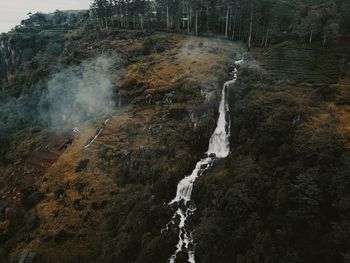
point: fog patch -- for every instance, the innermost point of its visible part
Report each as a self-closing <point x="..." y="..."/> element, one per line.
<point x="78" y="93"/>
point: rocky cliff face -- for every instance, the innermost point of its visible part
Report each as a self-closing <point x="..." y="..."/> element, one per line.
<point x="9" y="60"/>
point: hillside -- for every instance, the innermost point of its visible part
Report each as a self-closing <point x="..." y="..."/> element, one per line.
<point x="123" y="143"/>
<point x="282" y="194"/>
<point x="169" y="96"/>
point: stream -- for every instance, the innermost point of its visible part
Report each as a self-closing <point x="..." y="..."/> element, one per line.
<point x="218" y="148"/>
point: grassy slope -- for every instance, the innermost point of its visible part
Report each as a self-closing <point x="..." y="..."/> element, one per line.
<point x="113" y="210"/>
<point x="281" y="196"/>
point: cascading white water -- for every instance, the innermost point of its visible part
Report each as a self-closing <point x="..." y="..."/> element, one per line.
<point x="218" y="148"/>
<point x="97" y="134"/>
<point x="219" y="141"/>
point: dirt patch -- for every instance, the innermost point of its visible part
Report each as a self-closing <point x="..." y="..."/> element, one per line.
<point x="33" y="167"/>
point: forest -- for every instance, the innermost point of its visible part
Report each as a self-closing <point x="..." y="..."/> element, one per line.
<point x="106" y="112"/>
<point x="254" y="22"/>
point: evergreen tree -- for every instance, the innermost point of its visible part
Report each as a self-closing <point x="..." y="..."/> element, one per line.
<point x="255" y="22"/>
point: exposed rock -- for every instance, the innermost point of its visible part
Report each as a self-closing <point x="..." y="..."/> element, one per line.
<point x="27" y="257"/>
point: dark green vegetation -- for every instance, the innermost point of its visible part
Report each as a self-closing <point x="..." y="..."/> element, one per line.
<point x="255" y="22"/>
<point x="28" y="55"/>
<point x="281" y="196"/>
<point x="283" y="193"/>
<point x="31" y="49"/>
<point x="110" y="208"/>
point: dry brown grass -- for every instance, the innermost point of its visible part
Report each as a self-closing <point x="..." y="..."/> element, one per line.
<point x="156" y="73"/>
<point x="56" y="215"/>
<point x="343" y="111"/>
<point x="336" y="116"/>
<point x="202" y="60"/>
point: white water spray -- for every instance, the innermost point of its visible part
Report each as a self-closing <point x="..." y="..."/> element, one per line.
<point x="218" y="148"/>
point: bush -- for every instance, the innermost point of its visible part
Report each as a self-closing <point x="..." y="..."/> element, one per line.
<point x="148" y="46"/>
<point x="54" y="48"/>
<point x="160" y="48"/>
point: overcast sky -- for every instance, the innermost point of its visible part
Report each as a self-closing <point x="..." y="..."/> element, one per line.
<point x="13" y="11"/>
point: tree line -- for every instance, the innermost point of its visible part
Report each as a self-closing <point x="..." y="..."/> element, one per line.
<point x="256" y="22"/>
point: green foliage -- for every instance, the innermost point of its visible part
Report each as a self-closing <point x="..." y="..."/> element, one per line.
<point x="54" y="48"/>
<point x="147" y="46"/>
<point x="272" y="21"/>
<point x="282" y="195"/>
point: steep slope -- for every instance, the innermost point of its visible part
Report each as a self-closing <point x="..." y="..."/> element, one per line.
<point x="282" y="195"/>
<point x="105" y="202"/>
<point x="98" y="189"/>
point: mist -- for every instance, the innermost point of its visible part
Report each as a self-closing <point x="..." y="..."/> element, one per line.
<point x="78" y="93"/>
<point x="68" y="98"/>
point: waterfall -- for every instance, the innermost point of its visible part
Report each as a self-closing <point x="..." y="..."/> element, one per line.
<point x="218" y="148"/>
<point x="98" y="133"/>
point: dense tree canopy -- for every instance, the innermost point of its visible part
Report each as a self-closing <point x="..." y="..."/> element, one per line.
<point x="254" y="22"/>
